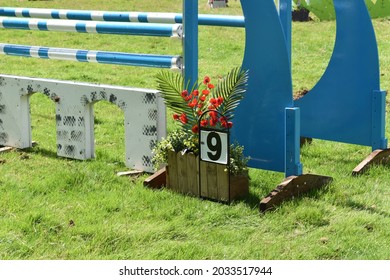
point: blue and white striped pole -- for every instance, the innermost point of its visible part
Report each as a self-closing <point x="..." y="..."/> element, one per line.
<point x="145" y="17"/>
<point x="119" y="28"/>
<point x="128" y="59"/>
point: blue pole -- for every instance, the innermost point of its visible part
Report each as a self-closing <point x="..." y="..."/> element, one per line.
<point x="293" y="165"/>
<point x="190" y="42"/>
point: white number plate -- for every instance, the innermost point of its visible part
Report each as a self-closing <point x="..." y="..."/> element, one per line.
<point x="214" y="146"/>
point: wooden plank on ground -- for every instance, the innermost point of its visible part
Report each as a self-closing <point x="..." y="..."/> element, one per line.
<point x="129" y="173"/>
<point x="293" y="186"/>
<point x="157" y="180"/>
<point x="375" y="158"/>
<point x="6" y="149"/>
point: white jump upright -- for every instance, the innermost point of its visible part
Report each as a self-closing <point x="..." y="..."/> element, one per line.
<point x="144" y="116"/>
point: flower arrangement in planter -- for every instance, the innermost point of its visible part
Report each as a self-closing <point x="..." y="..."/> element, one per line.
<point x="209" y="106"/>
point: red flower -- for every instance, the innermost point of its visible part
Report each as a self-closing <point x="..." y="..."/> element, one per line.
<point x="206" y="80"/>
<point x="193" y="103"/>
<point x="195" y="92"/>
<point x="202" y="98"/>
<point x="213" y="122"/>
<point x="219" y="100"/>
<point x="214" y="115"/>
<point x="214" y="101"/>
<point x="226" y="124"/>
<point x="223" y="119"/>
<point x="204" y="122"/>
<point x="205" y="91"/>
<point x="199" y="112"/>
<point x="200" y="105"/>
<point x="195" y="129"/>
<point x="176" y="117"/>
<point x="183" y="118"/>
<point x="184" y="93"/>
<point x="210" y="86"/>
<point x="188" y="97"/>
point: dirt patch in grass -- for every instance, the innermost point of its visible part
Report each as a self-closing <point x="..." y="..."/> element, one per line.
<point x="300" y="93"/>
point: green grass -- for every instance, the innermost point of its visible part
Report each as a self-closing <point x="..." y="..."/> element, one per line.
<point x="56" y="208"/>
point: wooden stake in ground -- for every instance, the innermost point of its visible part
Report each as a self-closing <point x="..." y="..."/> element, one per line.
<point x="292" y="187"/>
<point x="375" y="158"/>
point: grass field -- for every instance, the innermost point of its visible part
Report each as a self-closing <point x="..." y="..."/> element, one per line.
<point x="55" y="208"/>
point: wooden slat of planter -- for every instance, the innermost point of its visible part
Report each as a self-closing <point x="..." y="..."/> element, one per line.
<point x="193" y="175"/>
<point x="212" y="181"/>
<point x="223" y="183"/>
<point x="182" y="173"/>
<point x="239" y="187"/>
<point x="203" y="179"/>
<point x="172" y="171"/>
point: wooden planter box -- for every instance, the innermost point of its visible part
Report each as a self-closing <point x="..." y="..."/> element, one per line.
<point x="183" y="177"/>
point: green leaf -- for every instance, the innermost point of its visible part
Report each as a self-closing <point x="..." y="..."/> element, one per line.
<point x="170" y="85"/>
<point x="232" y="88"/>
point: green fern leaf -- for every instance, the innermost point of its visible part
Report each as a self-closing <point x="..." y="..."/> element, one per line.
<point x="170" y="85"/>
<point x="232" y="88"/>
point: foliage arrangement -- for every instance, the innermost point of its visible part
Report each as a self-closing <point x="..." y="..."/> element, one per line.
<point x="207" y="105"/>
<point x="324" y="9"/>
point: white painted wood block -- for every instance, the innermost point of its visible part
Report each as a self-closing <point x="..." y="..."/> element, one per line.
<point x="144" y="116"/>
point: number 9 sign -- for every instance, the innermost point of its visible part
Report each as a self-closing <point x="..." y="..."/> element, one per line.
<point x="214" y="146"/>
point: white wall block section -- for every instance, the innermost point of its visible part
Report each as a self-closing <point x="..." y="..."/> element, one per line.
<point x="144" y="116"/>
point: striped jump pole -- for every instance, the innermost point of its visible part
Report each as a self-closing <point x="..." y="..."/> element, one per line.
<point x="144" y="17"/>
<point x="118" y="58"/>
<point x="118" y="28"/>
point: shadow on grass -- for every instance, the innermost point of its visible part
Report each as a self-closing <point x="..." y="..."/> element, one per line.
<point x="362" y="207"/>
<point x="41" y="151"/>
<point x="252" y="200"/>
<point x="333" y="153"/>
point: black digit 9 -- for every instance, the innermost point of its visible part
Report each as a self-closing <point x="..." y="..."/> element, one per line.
<point x="214" y="144"/>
